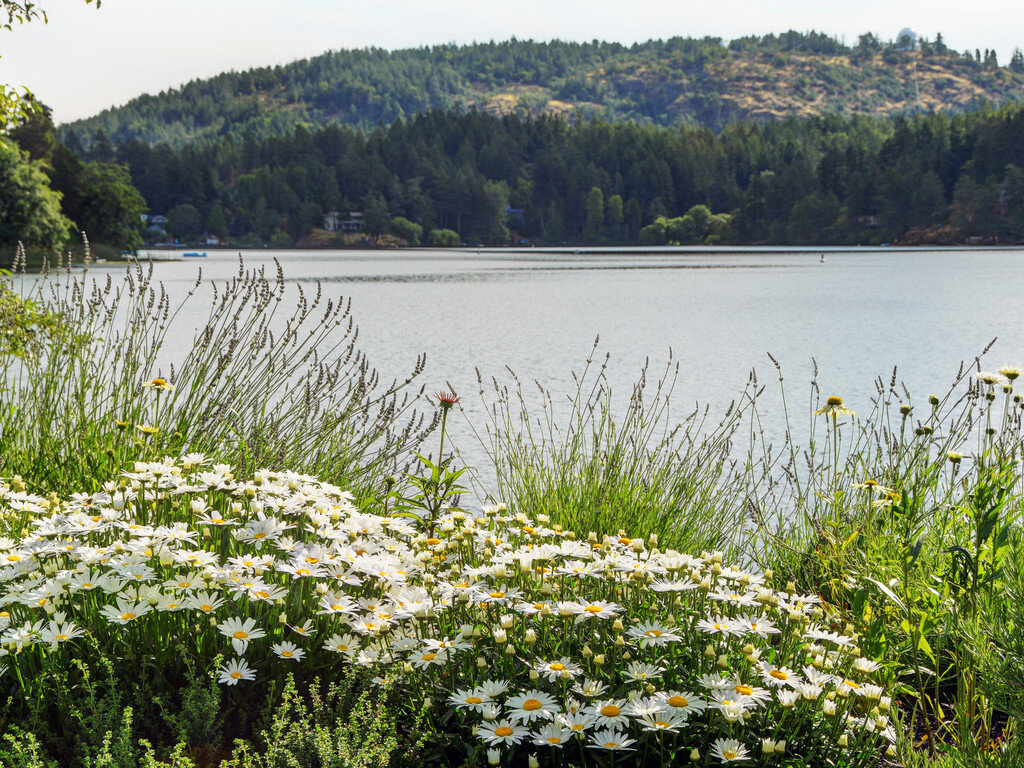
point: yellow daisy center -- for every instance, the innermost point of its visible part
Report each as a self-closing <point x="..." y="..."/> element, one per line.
<point x="429" y="656"/>
<point x="778" y="674"/>
<point x="654" y="633"/>
<point x="554" y="740"/>
<point x="287" y="654"/>
<point x="730" y="754"/>
<point x="236" y="675"/>
<point x="677" y="701"/>
<point x="557" y="667"/>
<point x="13" y="558"/>
<point x="240" y="635"/>
<point x="503" y="730"/>
<point x="60" y="637"/>
<point x="206" y="608"/>
<point x="593" y="609"/>
<point x="532" y="705"/>
<point x="127" y="616"/>
<point x="610" y="710"/>
<point x="745" y="690"/>
<point x="497" y="595"/>
<point x="474" y="700"/>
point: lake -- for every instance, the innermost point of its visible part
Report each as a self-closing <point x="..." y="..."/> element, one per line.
<point x="858" y="314"/>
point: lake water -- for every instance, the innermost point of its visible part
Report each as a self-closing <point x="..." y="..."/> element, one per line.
<point x="857" y="314"/>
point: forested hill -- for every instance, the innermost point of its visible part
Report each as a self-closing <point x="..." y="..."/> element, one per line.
<point x="677" y="81"/>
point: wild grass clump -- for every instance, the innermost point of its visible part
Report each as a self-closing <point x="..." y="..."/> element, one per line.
<point x="602" y="462"/>
<point x="260" y="386"/>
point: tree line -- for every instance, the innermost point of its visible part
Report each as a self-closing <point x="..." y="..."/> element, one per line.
<point x="485" y="179"/>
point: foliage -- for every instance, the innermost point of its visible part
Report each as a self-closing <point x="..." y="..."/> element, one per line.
<point x="261" y="389"/>
<point x="29" y="210"/>
<point x="935" y="178"/>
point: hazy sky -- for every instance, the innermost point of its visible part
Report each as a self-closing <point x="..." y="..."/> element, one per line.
<point x="87" y="59"/>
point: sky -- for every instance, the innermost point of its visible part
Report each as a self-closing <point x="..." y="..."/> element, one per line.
<point x="87" y="59"/>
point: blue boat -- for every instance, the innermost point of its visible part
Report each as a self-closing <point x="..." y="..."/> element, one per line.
<point x="194" y="255"/>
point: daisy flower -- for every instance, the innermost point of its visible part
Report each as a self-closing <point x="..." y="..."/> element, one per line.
<point x="650" y="633"/>
<point x="834" y="407"/>
<point x="779" y="676"/>
<point x="638" y="673"/>
<point x="235" y="670"/>
<point x="608" y="713"/>
<point x="347" y="644"/>
<point x="472" y="699"/>
<point x="730" y="751"/>
<point x="720" y="625"/>
<point x="502" y="732"/>
<point x="552" y="670"/>
<point x="125" y="610"/>
<point x="598" y="609"/>
<point x="684" y="702"/>
<point x="424" y="659"/>
<point x="240" y="632"/>
<point x="552" y="735"/>
<point x="578" y="722"/>
<point x="287" y="650"/>
<point x="662" y="721"/>
<point x="532" y="705"/>
<point x="611" y="740"/>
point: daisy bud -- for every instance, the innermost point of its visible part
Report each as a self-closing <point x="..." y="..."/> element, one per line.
<point x="709" y="652"/>
<point x="481" y="662"/>
<point x="620" y="641"/>
<point x="546" y="589"/>
<point x="282" y="618"/>
<point x="617" y="625"/>
<point x="653" y="539"/>
<point x="791" y="586"/>
<point x="599" y="660"/>
<point x="494" y="757"/>
<point x="627" y="656"/>
<point x="705" y="585"/>
<point x="510" y="650"/>
<point x="723" y="662"/>
<point x="532" y="762"/>
<point x="407" y="668"/>
<point x="592" y="538"/>
<point x="884" y="703"/>
<point x="780" y="746"/>
<point x="844" y="741"/>
<point x="748" y="649"/>
<point x="506" y="622"/>
<point x="767" y="747"/>
<point x="694" y="755"/>
<point x="563" y="675"/>
<point x="213" y="621"/>
<point x="530" y="636"/>
<point x="769" y="574"/>
<point x="534" y="675"/>
<point x="587" y="653"/>
<point x="500" y="636"/>
<point x="650" y="688"/>
<point x="754" y="657"/>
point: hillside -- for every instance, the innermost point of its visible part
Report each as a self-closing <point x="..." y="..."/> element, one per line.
<point x="677" y="81"/>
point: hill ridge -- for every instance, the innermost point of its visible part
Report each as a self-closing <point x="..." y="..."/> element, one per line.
<point x="667" y="82"/>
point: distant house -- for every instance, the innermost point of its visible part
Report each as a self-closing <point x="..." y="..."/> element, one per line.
<point x="156" y="226"/>
<point x="334" y="223"/>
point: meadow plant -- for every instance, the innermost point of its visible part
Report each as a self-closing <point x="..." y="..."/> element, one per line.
<point x="603" y="461"/>
<point x="261" y="386"/>
<point x="519" y="635"/>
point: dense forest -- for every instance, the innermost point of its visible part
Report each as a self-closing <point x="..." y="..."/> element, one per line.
<point x="834" y="179"/>
<point x="701" y="82"/>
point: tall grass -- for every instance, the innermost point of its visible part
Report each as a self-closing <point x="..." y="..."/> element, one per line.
<point x="603" y="463"/>
<point x="264" y="383"/>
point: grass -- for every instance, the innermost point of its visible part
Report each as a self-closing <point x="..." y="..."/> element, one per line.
<point x="905" y="519"/>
